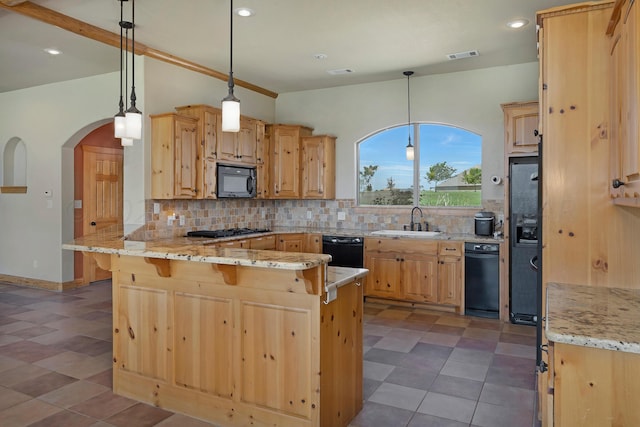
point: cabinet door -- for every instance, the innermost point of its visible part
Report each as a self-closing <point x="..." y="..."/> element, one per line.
<point x="450" y="280"/>
<point x="383" y="279"/>
<point x="210" y="134"/>
<point x="209" y="182"/>
<point x="617" y="108"/>
<point x="290" y="242"/>
<point x="227" y="143"/>
<point x="318" y="167"/>
<point x="246" y="149"/>
<point x="286" y="163"/>
<point x="313" y="243"/>
<point x="262" y="161"/>
<point x="420" y="278"/>
<point x="630" y="147"/>
<point x="185" y="159"/>
<point x="520" y="121"/>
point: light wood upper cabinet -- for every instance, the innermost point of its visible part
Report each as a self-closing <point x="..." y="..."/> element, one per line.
<point x="239" y="147"/>
<point x="625" y="90"/>
<point x="174" y="158"/>
<point x="284" y="173"/>
<point x="207" y="148"/>
<point x="520" y="123"/>
<point x="318" y="167"/>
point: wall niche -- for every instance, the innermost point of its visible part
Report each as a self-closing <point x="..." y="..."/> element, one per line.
<point x="14" y="167"/>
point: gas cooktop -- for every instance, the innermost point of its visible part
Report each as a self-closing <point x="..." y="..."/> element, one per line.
<point x="216" y="234"/>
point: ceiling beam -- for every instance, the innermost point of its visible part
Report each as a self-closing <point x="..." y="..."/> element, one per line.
<point x="84" y="29"/>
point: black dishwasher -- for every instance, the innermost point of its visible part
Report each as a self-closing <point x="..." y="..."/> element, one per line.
<point x="482" y="279"/>
<point x="344" y="251"/>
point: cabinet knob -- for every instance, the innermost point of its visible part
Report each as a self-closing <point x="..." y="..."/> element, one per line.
<point x="616" y="183"/>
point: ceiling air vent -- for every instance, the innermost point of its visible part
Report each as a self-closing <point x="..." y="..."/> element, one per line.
<point x="460" y="55"/>
<point x="340" y="71"/>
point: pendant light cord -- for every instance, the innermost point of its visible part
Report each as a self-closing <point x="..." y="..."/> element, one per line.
<point x="133" y="53"/>
<point x="231" y="82"/>
<point x="121" y="104"/>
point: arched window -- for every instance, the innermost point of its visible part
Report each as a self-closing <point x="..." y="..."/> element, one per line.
<point x="446" y="170"/>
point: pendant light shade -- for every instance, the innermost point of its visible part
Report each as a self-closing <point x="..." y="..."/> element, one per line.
<point x="231" y="104"/>
<point x="409" y="149"/>
<point x="126" y="142"/>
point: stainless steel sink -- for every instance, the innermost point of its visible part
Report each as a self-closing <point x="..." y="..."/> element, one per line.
<point x="392" y="233"/>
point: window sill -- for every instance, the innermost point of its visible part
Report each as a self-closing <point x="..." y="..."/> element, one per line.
<point x="13" y="190"/>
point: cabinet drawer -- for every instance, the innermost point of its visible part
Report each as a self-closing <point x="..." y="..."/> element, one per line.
<point x="266" y="242"/>
<point x="405" y="246"/>
<point x="450" y="248"/>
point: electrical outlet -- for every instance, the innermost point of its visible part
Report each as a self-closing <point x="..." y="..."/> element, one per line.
<point x="500" y="218"/>
<point x="309" y="214"/>
<point x="342" y="216"/>
<point x="182" y="219"/>
<point x="156" y="208"/>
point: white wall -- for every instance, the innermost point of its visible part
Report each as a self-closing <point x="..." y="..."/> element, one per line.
<point x="470" y="100"/>
<point x="51" y="120"/>
<point x="45" y="118"/>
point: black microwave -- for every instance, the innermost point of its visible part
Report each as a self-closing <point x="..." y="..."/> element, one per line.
<point x="236" y="181"/>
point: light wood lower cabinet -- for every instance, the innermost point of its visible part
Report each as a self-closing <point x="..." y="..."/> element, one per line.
<point x="425" y="271"/>
<point x="293" y="242"/>
<point x="237" y="345"/>
<point x="594" y="387"/>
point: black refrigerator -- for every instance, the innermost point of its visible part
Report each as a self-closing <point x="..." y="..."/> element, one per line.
<point x="523" y="240"/>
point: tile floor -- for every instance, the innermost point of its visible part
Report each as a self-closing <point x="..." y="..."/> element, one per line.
<point x="421" y="368"/>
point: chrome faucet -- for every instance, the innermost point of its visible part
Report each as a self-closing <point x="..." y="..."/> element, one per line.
<point x="412" y="224"/>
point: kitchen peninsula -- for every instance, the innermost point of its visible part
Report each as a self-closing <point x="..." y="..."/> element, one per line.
<point x="233" y="336"/>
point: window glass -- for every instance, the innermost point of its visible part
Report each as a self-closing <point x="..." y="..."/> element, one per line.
<point x="448" y="168"/>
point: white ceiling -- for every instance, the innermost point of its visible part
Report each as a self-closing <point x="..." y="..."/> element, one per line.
<point x="274" y="49"/>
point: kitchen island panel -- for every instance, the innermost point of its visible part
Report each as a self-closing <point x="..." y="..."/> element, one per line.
<point x="203" y="343"/>
<point x="234" y="345"/>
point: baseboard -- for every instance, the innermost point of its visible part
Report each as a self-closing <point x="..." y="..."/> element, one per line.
<point x="40" y="284"/>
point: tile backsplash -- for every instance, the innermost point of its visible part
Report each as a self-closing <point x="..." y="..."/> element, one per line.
<point x="320" y="214"/>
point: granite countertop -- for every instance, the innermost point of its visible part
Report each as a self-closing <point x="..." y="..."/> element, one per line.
<point x="112" y="241"/>
<point x="606" y="318"/>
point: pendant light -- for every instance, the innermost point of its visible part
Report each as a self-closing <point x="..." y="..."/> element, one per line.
<point x="231" y="104"/>
<point x="133" y="116"/>
<point x="119" y="119"/>
<point x="409" y="146"/>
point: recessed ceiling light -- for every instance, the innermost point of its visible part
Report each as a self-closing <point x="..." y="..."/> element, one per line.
<point x="245" y="12"/>
<point x="517" y="23"/>
<point x="52" y="51"/>
<point x="320" y="56"/>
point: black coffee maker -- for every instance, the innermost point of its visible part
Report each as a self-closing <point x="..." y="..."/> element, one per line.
<point x="484" y="223"/>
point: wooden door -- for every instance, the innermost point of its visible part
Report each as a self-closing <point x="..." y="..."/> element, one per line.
<point x="420" y="277"/>
<point x="102" y="198"/>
